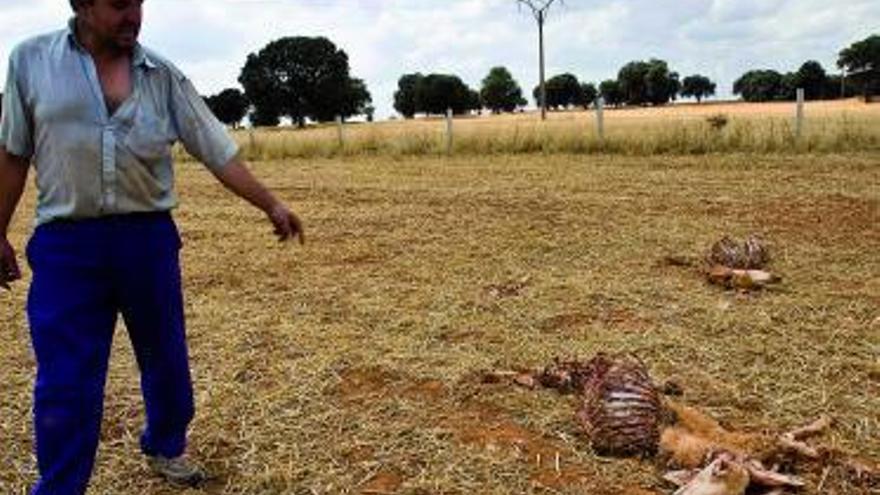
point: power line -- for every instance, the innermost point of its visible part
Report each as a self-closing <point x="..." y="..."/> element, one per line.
<point x="539" y="8"/>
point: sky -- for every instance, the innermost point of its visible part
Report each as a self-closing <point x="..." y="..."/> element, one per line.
<point x="210" y="39"/>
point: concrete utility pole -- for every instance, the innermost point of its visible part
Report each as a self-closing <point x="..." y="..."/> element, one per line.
<point x="539" y="9"/>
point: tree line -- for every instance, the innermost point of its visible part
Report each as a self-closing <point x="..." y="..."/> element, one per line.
<point x="499" y="92"/>
<point x="770" y="85"/>
<point x="303" y="78"/>
<point x="861" y="61"/>
<point x="299" y="78"/>
<point x="638" y="83"/>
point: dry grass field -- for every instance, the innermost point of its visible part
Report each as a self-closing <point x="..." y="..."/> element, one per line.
<point x="829" y="126"/>
<point x="352" y="365"/>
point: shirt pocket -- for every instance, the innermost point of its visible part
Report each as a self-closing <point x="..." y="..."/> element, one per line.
<point x="148" y="138"/>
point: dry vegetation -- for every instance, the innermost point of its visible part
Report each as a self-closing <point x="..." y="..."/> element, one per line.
<point x="830" y="126"/>
<point x="352" y="365"/>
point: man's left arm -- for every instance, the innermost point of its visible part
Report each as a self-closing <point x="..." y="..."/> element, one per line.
<point x="238" y="179"/>
<point x="207" y="139"/>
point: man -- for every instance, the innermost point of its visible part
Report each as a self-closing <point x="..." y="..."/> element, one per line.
<point x="96" y="114"/>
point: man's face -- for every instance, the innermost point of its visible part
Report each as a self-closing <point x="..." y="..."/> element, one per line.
<point x="115" y="22"/>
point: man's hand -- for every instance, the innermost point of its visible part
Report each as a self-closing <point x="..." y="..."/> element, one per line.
<point x="287" y="225"/>
<point x="238" y="179"/>
<point x="13" y="174"/>
<point x="9" y="271"/>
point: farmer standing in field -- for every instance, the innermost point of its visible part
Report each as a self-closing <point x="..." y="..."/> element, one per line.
<point x="97" y="114"/>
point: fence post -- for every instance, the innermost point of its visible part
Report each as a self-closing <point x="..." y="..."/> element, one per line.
<point x="252" y="144"/>
<point x="449" y="131"/>
<point x="600" y="118"/>
<point x="339" y="131"/>
<point x="799" y="116"/>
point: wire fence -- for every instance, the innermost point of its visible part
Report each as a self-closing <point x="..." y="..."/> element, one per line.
<point x="725" y="127"/>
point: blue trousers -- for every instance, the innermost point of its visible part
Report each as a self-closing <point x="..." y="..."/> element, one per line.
<point x="86" y="273"/>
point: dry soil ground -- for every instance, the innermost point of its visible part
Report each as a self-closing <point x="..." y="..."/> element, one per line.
<point x="352" y="365"/>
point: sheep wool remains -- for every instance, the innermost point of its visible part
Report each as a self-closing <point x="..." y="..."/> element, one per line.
<point x="750" y="255"/>
<point x="739" y="266"/>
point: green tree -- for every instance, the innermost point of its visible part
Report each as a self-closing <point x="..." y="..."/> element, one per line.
<point x="357" y="100"/>
<point x="661" y="84"/>
<point x="788" y="89"/>
<point x="500" y="92"/>
<point x="434" y="94"/>
<point x="229" y="106"/>
<point x="759" y="85"/>
<point x="632" y="78"/>
<point x="836" y="87"/>
<point x="589" y="93"/>
<point x="673" y="86"/>
<point x="406" y="98"/>
<point x="299" y="77"/>
<point x="862" y="55"/>
<point x="863" y="58"/>
<point x="697" y="86"/>
<point x="648" y="82"/>
<point x="610" y="91"/>
<point x="265" y="116"/>
<point x="474" y="101"/>
<point x="438" y="92"/>
<point x="563" y="91"/>
<point x="264" y="92"/>
<point x="813" y="78"/>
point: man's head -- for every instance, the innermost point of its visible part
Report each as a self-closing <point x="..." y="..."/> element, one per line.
<point x="113" y="23"/>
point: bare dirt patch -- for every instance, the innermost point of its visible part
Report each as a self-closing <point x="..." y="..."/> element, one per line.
<point x="550" y="463"/>
<point x="825" y="219"/>
<point x="385" y="482"/>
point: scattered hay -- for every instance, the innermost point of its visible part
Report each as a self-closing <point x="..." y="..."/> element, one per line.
<point x="508" y="289"/>
<point x="274" y="330"/>
<point x="385" y="482"/>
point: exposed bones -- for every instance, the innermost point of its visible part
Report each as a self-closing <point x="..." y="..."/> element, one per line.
<point x="623" y="414"/>
<point x="729" y="474"/>
<point x="720" y="477"/>
<point x="621" y="408"/>
<point x="735" y="278"/>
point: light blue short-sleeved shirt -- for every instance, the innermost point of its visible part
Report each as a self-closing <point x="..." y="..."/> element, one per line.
<point x="89" y="163"/>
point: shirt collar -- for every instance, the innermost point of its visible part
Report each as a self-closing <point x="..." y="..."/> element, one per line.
<point x="139" y="56"/>
<point x="141" y="59"/>
<point x="71" y="35"/>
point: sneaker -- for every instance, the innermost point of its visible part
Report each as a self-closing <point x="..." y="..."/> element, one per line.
<point x="177" y="471"/>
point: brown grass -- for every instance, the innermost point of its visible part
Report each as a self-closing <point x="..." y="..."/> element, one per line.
<point x="830" y="127"/>
<point x="352" y="365"/>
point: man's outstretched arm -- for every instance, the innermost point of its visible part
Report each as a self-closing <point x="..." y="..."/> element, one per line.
<point x="13" y="175"/>
<point x="238" y="179"/>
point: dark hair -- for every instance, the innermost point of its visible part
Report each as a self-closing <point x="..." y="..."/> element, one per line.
<point x="75" y="3"/>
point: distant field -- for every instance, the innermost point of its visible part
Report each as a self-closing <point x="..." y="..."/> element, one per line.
<point x="829" y="127"/>
<point x="352" y="365"/>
